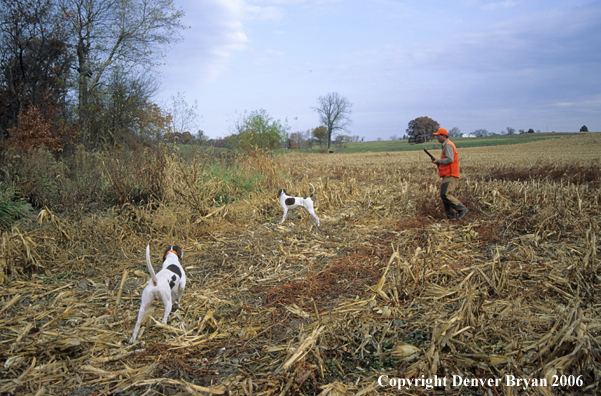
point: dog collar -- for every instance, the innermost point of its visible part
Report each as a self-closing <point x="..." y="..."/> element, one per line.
<point x="171" y="251"/>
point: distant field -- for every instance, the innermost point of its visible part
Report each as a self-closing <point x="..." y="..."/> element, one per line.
<point x="573" y="148"/>
<point x="403" y="145"/>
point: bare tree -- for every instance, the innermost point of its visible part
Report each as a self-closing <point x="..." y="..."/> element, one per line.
<point x="109" y="32"/>
<point x="237" y="122"/>
<point x="334" y="111"/>
<point x="455" y="132"/>
<point x="124" y="112"/>
<point x="306" y="139"/>
<point x="184" y="117"/>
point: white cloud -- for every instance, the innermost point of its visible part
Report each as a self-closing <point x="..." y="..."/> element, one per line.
<point x="215" y="32"/>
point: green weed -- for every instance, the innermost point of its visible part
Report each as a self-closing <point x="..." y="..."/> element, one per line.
<point x="232" y="183"/>
<point x="11" y="208"/>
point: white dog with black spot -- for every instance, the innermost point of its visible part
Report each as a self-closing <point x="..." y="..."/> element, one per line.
<point x="287" y="202"/>
<point x="168" y="286"/>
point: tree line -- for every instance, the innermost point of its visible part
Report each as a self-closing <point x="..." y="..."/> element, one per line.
<point x="80" y="71"/>
<point x="421" y="130"/>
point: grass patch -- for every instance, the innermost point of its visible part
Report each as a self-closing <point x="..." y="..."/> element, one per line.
<point x="232" y="182"/>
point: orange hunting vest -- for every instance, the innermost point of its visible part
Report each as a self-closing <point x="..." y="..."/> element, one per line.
<point x="451" y="169"/>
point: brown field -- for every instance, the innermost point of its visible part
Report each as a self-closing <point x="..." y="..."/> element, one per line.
<point x="384" y="287"/>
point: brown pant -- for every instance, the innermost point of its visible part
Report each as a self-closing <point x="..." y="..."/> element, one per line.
<point x="451" y="204"/>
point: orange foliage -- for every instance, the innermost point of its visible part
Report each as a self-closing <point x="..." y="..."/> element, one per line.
<point x="155" y="120"/>
<point x="34" y="130"/>
<point x="292" y="142"/>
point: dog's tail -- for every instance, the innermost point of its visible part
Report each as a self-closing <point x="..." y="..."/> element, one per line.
<point x="312" y="192"/>
<point x="149" y="265"/>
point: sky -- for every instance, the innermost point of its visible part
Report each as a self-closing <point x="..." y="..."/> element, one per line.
<point x="469" y="64"/>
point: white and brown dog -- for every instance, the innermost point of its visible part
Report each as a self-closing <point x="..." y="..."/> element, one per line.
<point x="168" y="285"/>
<point x="289" y="202"/>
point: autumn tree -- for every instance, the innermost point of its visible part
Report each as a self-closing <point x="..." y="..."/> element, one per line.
<point x="300" y="140"/>
<point x="334" y="113"/>
<point x="292" y="142"/>
<point x="421" y="129"/>
<point x="154" y="120"/>
<point x="34" y="131"/>
<point x="320" y="134"/>
<point x="187" y="138"/>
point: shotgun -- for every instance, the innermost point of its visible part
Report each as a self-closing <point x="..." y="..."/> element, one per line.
<point x="431" y="156"/>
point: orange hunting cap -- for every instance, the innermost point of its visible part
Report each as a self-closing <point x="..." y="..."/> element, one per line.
<point x="442" y="131"/>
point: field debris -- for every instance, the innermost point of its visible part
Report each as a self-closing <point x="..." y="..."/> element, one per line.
<point x="384" y="292"/>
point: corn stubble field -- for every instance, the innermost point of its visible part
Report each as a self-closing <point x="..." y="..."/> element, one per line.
<point x="384" y="287"/>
